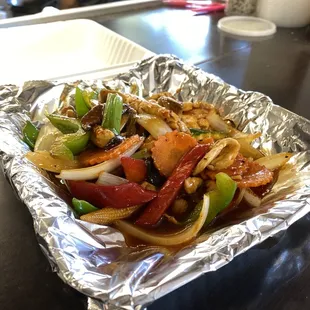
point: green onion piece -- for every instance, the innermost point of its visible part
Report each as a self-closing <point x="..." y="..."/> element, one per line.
<point x="112" y="114"/>
<point x="82" y="207"/>
<point x="93" y="95"/>
<point x="195" y="131"/>
<point x="88" y="96"/>
<point x="200" y="134"/>
<point x="30" y="134"/>
<point x="80" y="104"/>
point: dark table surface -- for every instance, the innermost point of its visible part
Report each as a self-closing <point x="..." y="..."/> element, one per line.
<point x="274" y="275"/>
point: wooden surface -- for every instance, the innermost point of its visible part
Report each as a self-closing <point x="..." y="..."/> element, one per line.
<point x="272" y="276"/>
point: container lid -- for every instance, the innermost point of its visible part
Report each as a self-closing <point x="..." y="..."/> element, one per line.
<point x="247" y="26"/>
<point x="48" y="55"/>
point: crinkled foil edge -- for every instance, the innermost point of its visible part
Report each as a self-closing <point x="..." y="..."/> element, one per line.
<point x="95" y="259"/>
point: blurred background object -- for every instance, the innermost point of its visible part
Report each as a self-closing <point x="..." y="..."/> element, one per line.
<point x="247" y="26"/>
<point x="67" y="4"/>
<point x="198" y="6"/>
<point x="240" y="7"/>
<point x="20" y="7"/>
<point x="24" y="7"/>
<point x="285" y="13"/>
<point x="2" y="12"/>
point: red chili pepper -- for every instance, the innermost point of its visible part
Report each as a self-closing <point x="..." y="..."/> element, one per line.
<point x="118" y="196"/>
<point x="135" y="169"/>
<point x="172" y="187"/>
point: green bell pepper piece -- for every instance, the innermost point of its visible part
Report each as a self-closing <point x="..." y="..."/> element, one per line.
<point x="59" y="150"/>
<point x="69" y="145"/>
<point x="221" y="197"/>
<point x="82" y="207"/>
<point x="80" y="104"/>
<point x="64" y="124"/>
<point x="112" y="113"/>
<point x="73" y="141"/>
<point x="30" y="134"/>
<point x="219" y="200"/>
<point x="77" y="142"/>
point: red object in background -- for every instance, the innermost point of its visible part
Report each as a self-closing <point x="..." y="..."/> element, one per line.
<point x="197" y="6"/>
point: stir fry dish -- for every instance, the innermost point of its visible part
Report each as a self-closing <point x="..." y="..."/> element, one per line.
<point x="159" y="170"/>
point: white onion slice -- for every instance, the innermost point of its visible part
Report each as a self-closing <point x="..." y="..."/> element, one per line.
<point x="217" y="123"/>
<point x="168" y="239"/>
<point x="46" y="137"/>
<point x="93" y="172"/>
<point x="252" y="199"/>
<point x="274" y="162"/>
<point x="240" y="196"/>
<point x="106" y="178"/>
<point x="248" y="150"/>
<point x="247" y="137"/>
<point x="153" y="124"/>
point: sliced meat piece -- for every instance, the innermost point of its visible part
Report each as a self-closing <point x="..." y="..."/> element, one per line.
<point x="93" y="117"/>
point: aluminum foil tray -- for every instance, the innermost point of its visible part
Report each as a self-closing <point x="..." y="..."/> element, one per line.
<point x="95" y="259"/>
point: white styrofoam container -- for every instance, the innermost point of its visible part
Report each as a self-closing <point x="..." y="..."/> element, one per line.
<point x="63" y="49"/>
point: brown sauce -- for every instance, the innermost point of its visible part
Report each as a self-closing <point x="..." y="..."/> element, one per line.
<point x="231" y="215"/>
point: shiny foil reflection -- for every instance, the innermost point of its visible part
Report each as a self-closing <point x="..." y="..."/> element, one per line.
<point x="95" y="259"/>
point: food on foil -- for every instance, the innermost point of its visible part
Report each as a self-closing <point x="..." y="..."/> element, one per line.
<point x="160" y="170"/>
